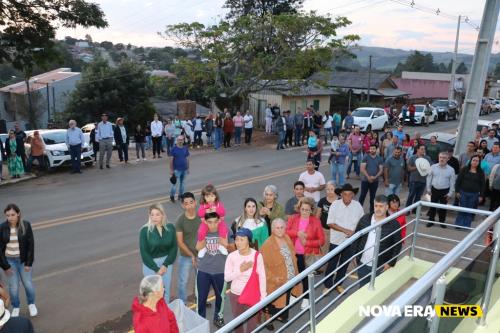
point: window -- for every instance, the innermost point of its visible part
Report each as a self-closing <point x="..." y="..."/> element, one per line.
<point x="293" y="106"/>
<point x="316" y="104"/>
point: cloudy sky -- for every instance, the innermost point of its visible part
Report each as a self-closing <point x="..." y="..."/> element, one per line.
<point x="384" y="23"/>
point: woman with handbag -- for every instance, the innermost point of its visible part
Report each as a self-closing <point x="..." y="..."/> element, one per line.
<point x="281" y="266"/>
<point x="306" y="233"/>
<point x="245" y="270"/>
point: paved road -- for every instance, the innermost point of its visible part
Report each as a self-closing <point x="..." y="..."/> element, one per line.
<point x="87" y="267"/>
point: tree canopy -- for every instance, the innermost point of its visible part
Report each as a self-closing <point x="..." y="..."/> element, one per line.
<point x="420" y="62"/>
<point x="261" y="8"/>
<point x="120" y="92"/>
<point x="250" y="52"/>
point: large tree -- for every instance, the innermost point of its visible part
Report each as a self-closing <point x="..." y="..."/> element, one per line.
<point x="261" y="8"/>
<point x="251" y="52"/>
<point x="120" y="92"/>
<point x="28" y="29"/>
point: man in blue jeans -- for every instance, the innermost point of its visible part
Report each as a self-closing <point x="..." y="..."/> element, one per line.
<point x="186" y="228"/>
<point x="417" y="180"/>
<point x="179" y="166"/>
<point x="372" y="168"/>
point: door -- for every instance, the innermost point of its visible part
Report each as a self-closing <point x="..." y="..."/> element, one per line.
<point x="293" y="106"/>
<point x="378" y="122"/>
<point x="262" y="112"/>
<point x="316" y="104"/>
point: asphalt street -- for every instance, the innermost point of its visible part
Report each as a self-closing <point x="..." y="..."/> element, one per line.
<point x="87" y="267"/>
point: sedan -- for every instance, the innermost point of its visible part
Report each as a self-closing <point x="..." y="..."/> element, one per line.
<point x="420" y="115"/>
<point x="446" y="109"/>
<point x="369" y="119"/>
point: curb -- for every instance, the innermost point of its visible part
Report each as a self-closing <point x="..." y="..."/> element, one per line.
<point x="17" y="180"/>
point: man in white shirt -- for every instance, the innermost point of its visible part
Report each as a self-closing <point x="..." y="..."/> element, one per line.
<point x="104" y="135"/>
<point x="248" y="121"/>
<point x="389" y="243"/>
<point x="327" y="126"/>
<point x="156" y="133"/>
<point x="343" y="217"/>
<point x="313" y="180"/>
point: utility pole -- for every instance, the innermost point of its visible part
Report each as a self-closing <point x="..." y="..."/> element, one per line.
<point x="451" y="94"/>
<point x="472" y="103"/>
<point x="369" y="79"/>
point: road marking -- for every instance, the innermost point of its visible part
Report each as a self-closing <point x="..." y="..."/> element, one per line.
<point x="142" y="204"/>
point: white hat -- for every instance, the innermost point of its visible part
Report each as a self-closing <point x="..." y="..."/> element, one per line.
<point x="4" y="314"/>
<point x="423" y="166"/>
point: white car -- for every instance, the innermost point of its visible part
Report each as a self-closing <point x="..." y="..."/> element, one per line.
<point x="56" y="152"/>
<point x="369" y="119"/>
<point x="420" y="117"/>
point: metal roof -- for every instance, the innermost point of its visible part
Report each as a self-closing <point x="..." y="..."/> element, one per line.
<point x="353" y="79"/>
<point x="40" y="81"/>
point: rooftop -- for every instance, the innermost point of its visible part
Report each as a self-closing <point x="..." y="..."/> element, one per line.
<point x="353" y="79"/>
<point x="40" y="81"/>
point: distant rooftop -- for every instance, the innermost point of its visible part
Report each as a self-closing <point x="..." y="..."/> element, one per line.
<point x="40" y="81"/>
<point x="163" y="73"/>
<point x="353" y="80"/>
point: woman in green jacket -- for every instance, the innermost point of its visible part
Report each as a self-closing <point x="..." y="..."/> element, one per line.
<point x="251" y="220"/>
<point x="158" y="245"/>
<point x="269" y="208"/>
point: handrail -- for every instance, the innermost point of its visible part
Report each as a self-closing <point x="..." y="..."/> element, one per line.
<point x="242" y="318"/>
<point x="410" y="295"/>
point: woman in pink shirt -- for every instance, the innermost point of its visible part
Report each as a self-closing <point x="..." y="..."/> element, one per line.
<point x="238" y="127"/>
<point x="239" y="266"/>
<point x="306" y="233"/>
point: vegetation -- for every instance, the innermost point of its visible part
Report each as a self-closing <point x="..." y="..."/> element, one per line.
<point x="419" y="62"/>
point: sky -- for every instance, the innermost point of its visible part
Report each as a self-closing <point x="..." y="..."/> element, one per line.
<point x="382" y="23"/>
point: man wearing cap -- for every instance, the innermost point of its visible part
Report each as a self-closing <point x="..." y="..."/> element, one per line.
<point x="419" y="168"/>
<point x="122" y="140"/>
<point x="389" y="244"/>
<point x="10" y="324"/>
<point x="104" y="135"/>
<point x="179" y="166"/>
<point x="75" y="141"/>
<point x="441" y="187"/>
<point x="343" y="217"/>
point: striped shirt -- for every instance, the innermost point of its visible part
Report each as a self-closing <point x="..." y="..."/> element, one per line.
<point x="12" y="249"/>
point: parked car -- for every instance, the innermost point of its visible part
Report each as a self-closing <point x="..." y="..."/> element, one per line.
<point x="485" y="107"/>
<point x="368" y="118"/>
<point x="483" y="123"/>
<point x="446" y="109"/>
<point x="497" y="104"/>
<point x="445" y="140"/>
<point x="56" y="152"/>
<point x="87" y="128"/>
<point x="420" y="116"/>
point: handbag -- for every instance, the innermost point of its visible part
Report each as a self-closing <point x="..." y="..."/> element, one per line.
<point x="251" y="293"/>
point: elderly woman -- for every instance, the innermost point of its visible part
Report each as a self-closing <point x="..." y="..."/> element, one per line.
<point x="281" y="266"/>
<point x="269" y="208"/>
<point x="151" y="313"/>
<point x="251" y="219"/>
<point x="158" y="246"/>
<point x="238" y="269"/>
<point x="307" y="236"/>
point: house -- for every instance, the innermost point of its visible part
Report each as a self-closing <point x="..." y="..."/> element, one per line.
<point x="162" y="74"/>
<point x="291" y="96"/>
<point x="382" y="87"/>
<point x="425" y="86"/>
<point x="49" y="94"/>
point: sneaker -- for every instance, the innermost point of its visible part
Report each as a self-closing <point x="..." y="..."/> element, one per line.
<point x="429" y="224"/>
<point x="340" y="289"/>
<point x="107" y="166"/>
<point x="15" y="312"/>
<point x="172" y="198"/>
<point x="293" y="299"/>
<point x="304" y="304"/>
<point x="33" y="310"/>
<point x="202" y="252"/>
<point x="138" y="160"/>
<point x="222" y="250"/>
<point x="443" y="226"/>
<point x="219" y="322"/>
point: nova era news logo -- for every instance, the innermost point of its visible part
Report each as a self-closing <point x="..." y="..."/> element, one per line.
<point x="412" y="311"/>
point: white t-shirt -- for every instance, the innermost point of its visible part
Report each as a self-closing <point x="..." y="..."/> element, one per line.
<point x="345" y="217"/>
<point x="248" y="121"/>
<point x="367" y="256"/>
<point x="314" y="180"/>
<point x="327" y="120"/>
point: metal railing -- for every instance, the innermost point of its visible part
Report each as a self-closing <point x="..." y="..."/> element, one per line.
<point x="308" y="273"/>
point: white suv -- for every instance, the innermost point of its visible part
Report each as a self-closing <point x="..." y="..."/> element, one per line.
<point x="369" y="119"/>
<point x="56" y="152"/>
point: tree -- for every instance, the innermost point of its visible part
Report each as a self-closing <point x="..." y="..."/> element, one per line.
<point x="251" y="53"/>
<point x="119" y="47"/>
<point x="496" y="71"/>
<point x="107" y="45"/>
<point x="120" y="92"/>
<point x="462" y="68"/>
<point x="28" y="29"/>
<point x="238" y="8"/>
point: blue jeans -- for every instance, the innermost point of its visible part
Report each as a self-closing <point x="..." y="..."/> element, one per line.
<point x="393" y="189"/>
<point x="328" y="134"/>
<point x="218" y="138"/>
<point x="298" y="135"/>
<point x="170" y="144"/>
<point x="18" y="274"/>
<point x="281" y="140"/>
<point x="237" y="135"/>
<point x="467" y="200"/>
<point x="210" y="141"/>
<point x="149" y="142"/>
<point x="167" y="277"/>
<point x="338" y="169"/>
<point x="183" y="272"/>
<point x="197" y="138"/>
<point x="364" y="274"/>
<point x="203" y="283"/>
<point x="336" y="130"/>
<point x="357" y="163"/>
<point x="180" y="180"/>
<point x="75" y="151"/>
<point x="365" y="187"/>
<point x="415" y="192"/>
